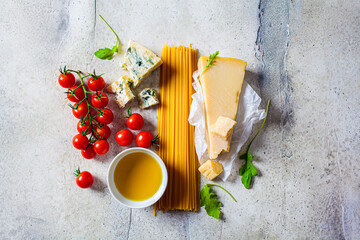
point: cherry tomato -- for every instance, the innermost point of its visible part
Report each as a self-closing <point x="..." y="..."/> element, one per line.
<point x="105" y="118"/>
<point x="135" y="121"/>
<point x="99" y="101"/>
<point x="80" y="141"/>
<point x="96" y="83"/>
<point x="104" y="132"/>
<point x="66" y="80"/>
<point x="81" y="110"/>
<point x="101" y="147"/>
<point x="83" y="179"/>
<point x="78" y="94"/>
<point x="124" y="137"/>
<point x="89" y="152"/>
<point x="145" y="139"/>
<point x="82" y="128"/>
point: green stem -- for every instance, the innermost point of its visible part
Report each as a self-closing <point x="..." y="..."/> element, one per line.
<point x="87" y="76"/>
<point x="267" y="110"/>
<point x="99" y="110"/>
<point x="91" y="92"/>
<point x="117" y="37"/>
<point x="77" y="172"/>
<point x="215" y="185"/>
<point x="88" y="105"/>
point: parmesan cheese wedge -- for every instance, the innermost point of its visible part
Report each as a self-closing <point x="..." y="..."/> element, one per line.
<point x="221" y="86"/>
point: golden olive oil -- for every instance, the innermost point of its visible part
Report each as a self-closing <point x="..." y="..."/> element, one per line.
<point x="137" y="176"/>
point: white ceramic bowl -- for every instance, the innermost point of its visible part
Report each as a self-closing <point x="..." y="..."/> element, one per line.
<point x="136" y="204"/>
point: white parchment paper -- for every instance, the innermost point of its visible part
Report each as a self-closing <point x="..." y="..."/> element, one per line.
<point x="248" y="114"/>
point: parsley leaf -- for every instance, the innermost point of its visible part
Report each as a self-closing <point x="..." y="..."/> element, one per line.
<point x="107" y="53"/>
<point x="248" y="171"/>
<point x="208" y="198"/>
<point x="210" y="61"/>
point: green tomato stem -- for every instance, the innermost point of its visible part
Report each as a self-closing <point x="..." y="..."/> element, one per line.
<point x="88" y="115"/>
<point x="77" y="172"/>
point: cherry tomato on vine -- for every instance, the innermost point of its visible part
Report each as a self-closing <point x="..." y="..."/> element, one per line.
<point x="96" y="83"/>
<point x="66" y="80"/>
<point x="82" y="128"/>
<point x="101" y="147"/>
<point x="145" y="139"/>
<point x="80" y="141"/>
<point x="77" y="95"/>
<point x="89" y="152"/>
<point x="135" y="121"/>
<point x="124" y="137"/>
<point x="104" y="132"/>
<point x="106" y="117"/>
<point x="99" y="101"/>
<point x="81" y="110"/>
<point x="83" y="179"/>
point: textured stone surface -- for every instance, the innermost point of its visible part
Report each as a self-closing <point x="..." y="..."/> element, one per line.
<point x="303" y="55"/>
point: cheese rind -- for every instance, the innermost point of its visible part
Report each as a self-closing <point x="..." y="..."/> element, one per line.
<point x="221" y="86"/>
<point x="139" y="62"/>
<point x="147" y="98"/>
<point x="211" y="169"/>
<point x="122" y="90"/>
<point x="223" y="126"/>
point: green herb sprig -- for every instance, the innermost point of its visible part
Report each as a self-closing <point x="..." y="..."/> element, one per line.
<point x="107" y="53"/>
<point x="210" y="61"/>
<point x="248" y="171"/>
<point x="208" y="198"/>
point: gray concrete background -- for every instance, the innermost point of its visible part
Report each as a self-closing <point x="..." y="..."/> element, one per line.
<point x="303" y="55"/>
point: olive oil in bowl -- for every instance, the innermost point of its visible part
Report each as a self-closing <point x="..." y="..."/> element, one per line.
<point x="138" y="176"/>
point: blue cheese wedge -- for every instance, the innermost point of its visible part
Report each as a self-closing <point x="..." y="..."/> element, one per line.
<point x="139" y="62"/>
<point x="147" y="98"/>
<point x="122" y="90"/>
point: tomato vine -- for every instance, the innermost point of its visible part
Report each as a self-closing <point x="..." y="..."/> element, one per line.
<point x="92" y="118"/>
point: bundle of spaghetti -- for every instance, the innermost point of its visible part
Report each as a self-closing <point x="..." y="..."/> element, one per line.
<point x="177" y="146"/>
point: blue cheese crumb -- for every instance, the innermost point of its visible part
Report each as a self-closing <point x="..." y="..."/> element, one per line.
<point x="147" y="98"/>
<point x="122" y="90"/>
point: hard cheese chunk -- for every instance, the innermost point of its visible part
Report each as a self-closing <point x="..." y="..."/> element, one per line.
<point x="221" y="86"/>
<point x="223" y="126"/>
<point x="139" y="62"/>
<point x="147" y="98"/>
<point x="211" y="169"/>
<point x="122" y="90"/>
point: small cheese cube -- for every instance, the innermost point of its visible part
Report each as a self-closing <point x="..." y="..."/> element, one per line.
<point x="139" y="62"/>
<point x="211" y="169"/>
<point x="147" y="98"/>
<point x="122" y="90"/>
<point x="223" y="126"/>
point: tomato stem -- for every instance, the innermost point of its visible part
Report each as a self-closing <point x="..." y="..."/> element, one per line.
<point x="99" y="110"/>
<point x="155" y="141"/>
<point x="77" y="172"/>
<point x="129" y="113"/>
<point x="93" y="123"/>
<point x="88" y="115"/>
